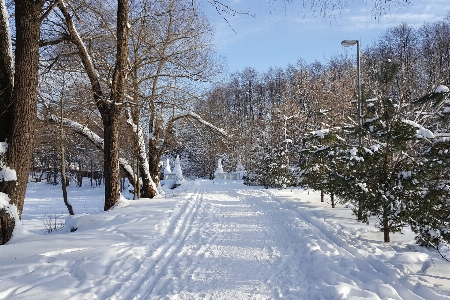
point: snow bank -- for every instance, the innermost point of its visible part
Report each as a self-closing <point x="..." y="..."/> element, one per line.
<point x="216" y="240"/>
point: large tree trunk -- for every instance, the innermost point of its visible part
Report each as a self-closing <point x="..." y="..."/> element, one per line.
<point x="25" y="95"/>
<point x="148" y="185"/>
<point x="154" y="161"/>
<point x="111" y="111"/>
<point x="21" y="119"/>
<point x="149" y="188"/>
<point x="111" y="124"/>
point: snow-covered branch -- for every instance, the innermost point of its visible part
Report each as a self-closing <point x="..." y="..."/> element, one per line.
<point x="190" y="114"/>
<point x="79" y="128"/>
<point x="141" y="147"/>
<point x="93" y="137"/>
<point x="421" y="131"/>
<point x="84" y="55"/>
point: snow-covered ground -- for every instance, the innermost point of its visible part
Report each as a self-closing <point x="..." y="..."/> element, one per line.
<point x="211" y="240"/>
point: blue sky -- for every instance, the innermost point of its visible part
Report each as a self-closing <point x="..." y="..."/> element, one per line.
<point x="279" y="34"/>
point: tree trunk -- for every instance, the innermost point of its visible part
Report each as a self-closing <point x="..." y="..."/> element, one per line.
<point x="148" y="190"/>
<point x="63" y="166"/>
<point x="24" y="97"/>
<point x="6" y="226"/>
<point x="333" y="205"/>
<point x="386" y="230"/>
<point x="148" y="186"/>
<point x="111" y="111"/>
<point x="155" y="168"/>
<point x="360" y="210"/>
<point x="138" y="182"/>
<point x="111" y="124"/>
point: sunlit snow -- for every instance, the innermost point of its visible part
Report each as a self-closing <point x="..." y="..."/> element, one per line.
<point x="211" y="240"/>
<point x="442" y="89"/>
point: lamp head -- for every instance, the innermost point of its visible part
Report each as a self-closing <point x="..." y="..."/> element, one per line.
<point x="349" y="43"/>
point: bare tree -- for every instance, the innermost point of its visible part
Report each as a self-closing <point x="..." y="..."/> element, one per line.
<point x="110" y="106"/>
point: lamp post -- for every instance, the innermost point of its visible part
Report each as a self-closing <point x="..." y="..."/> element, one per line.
<point x="350" y="43"/>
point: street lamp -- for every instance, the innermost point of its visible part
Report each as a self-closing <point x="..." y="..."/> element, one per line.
<point x="350" y="43"/>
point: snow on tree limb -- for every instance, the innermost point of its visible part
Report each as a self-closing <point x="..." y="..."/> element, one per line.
<point x="93" y="137"/>
<point x="81" y="129"/>
<point x="190" y="114"/>
<point x="421" y="131"/>
<point x="6" y="173"/>
<point x="84" y="55"/>
<point x="141" y="147"/>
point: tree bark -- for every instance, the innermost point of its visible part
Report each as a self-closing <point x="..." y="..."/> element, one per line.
<point x="111" y="124"/>
<point x="6" y="79"/>
<point x="24" y="96"/>
<point x="6" y="226"/>
<point x="386" y="230"/>
<point x="110" y="109"/>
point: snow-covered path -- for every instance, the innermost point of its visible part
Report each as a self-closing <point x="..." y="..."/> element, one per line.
<point x="248" y="244"/>
<point x="219" y="241"/>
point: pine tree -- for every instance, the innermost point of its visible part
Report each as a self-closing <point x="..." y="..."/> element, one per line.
<point x="382" y="176"/>
<point x="430" y="217"/>
<point x="272" y="169"/>
<point x="391" y="167"/>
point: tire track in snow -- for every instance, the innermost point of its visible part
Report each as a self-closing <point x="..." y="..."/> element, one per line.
<point x="196" y="243"/>
<point x="227" y="254"/>
<point x="140" y="285"/>
<point x="286" y="277"/>
<point x="369" y="264"/>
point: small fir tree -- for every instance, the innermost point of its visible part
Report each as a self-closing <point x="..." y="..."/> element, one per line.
<point x="273" y="169"/>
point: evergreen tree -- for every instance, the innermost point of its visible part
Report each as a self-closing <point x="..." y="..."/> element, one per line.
<point x="273" y="167"/>
<point x="382" y="176"/>
<point x="430" y="217"/>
